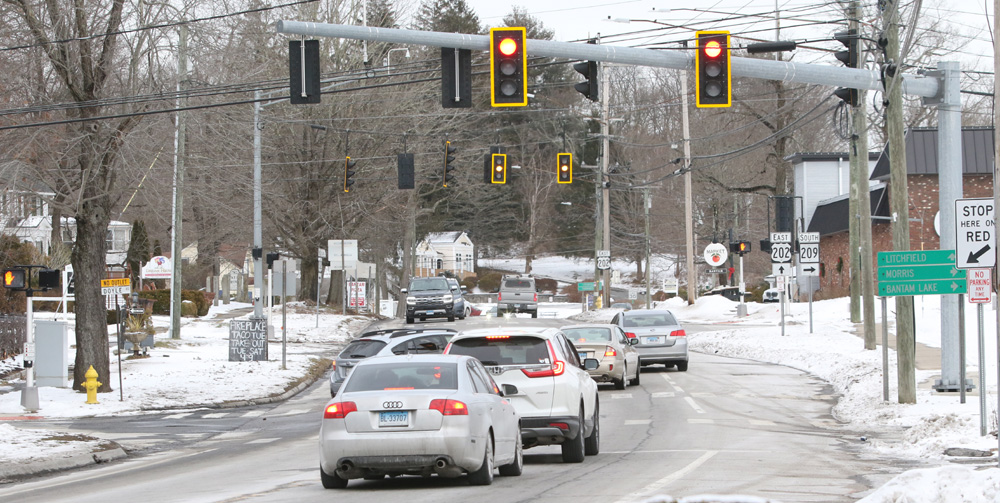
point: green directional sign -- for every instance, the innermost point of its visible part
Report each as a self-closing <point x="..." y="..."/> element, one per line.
<point x="588" y="286"/>
<point x="924" y="272"/>
<point x="915" y="272"/>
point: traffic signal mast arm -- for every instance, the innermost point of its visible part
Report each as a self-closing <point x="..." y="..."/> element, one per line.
<point x="787" y="71"/>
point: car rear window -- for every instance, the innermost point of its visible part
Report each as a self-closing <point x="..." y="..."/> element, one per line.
<point x="403" y="376"/>
<point x="517" y="283"/>
<point x="596" y="334"/>
<point x="503" y="350"/>
<point x="649" y="320"/>
<point x="362" y="348"/>
<point x="419" y="285"/>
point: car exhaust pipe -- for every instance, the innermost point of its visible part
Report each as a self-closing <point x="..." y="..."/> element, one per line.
<point x="441" y="463"/>
<point x="346" y="466"/>
<point x="444" y="468"/>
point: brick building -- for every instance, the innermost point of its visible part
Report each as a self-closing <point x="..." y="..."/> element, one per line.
<point x="830" y="217"/>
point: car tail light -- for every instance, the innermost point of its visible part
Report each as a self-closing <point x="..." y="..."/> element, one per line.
<point x="678" y="333"/>
<point x="493" y="337"/>
<point x="561" y="426"/>
<point x="449" y="407"/>
<point x="630" y="335"/>
<point x="610" y="351"/>
<point x="536" y="297"/>
<point x="555" y="369"/>
<point x="499" y="297"/>
<point x="339" y="409"/>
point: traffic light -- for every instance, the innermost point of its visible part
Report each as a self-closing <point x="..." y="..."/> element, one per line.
<point x="591" y="87"/>
<point x="48" y="279"/>
<point x="404" y="171"/>
<point x="508" y="68"/>
<point x="499" y="168"/>
<point x="852" y="59"/>
<point x="714" y="83"/>
<point x="448" y="158"/>
<point x="564" y="167"/>
<point x="348" y="173"/>
<point x="15" y="279"/>
<point x="739" y="247"/>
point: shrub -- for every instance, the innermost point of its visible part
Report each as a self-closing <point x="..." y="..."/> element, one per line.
<point x="161" y="301"/>
<point x="469" y="282"/>
<point x="490" y="282"/>
<point x="189" y="309"/>
<point x="546" y="285"/>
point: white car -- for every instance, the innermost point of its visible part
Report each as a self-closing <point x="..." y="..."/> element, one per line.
<point x="419" y="415"/>
<point x="556" y="397"/>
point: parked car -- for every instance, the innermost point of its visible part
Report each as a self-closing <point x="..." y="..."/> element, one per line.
<point x="659" y="337"/>
<point x="461" y="307"/>
<point x="419" y="415"/>
<point x="624" y="306"/>
<point x="556" y="398"/>
<point x="619" y="361"/>
<point x="386" y="342"/>
<point x="430" y="298"/>
<point x="518" y="295"/>
<point x="770" y="295"/>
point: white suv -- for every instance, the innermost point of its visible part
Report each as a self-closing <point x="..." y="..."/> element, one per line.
<point x="555" y="397"/>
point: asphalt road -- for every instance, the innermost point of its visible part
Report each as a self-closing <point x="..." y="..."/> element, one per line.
<point x="725" y="426"/>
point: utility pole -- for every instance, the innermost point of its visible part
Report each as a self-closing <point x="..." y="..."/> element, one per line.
<point x="605" y="180"/>
<point x="688" y="211"/>
<point x="180" y="140"/>
<point x="899" y="202"/>
<point x="645" y="206"/>
<point x="996" y="177"/>
<point x="861" y="226"/>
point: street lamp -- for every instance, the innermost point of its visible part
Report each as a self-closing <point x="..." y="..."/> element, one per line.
<point x="388" y="58"/>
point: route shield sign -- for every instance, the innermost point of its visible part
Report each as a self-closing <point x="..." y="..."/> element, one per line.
<point x="781" y="252"/>
<point x="975" y="242"/>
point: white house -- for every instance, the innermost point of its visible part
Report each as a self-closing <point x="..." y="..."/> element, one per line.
<point x="822" y="176"/>
<point x="443" y="252"/>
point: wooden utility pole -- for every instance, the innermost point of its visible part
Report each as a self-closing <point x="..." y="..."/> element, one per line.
<point x="899" y="200"/>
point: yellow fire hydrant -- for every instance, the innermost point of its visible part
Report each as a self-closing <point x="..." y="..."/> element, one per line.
<point x="91" y="384"/>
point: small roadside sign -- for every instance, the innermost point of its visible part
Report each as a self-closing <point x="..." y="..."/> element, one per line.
<point x="781" y="237"/>
<point x="979" y="285"/>
<point x="119" y="286"/>
<point x="781" y="252"/>
<point x="586" y="286"/>
<point x="808" y="269"/>
<point x="808" y="237"/>
<point x="781" y="269"/>
<point x="716" y="254"/>
<point x="975" y="243"/>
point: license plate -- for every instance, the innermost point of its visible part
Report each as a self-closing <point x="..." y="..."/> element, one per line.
<point x="393" y="418"/>
<point x="650" y="340"/>
<point x="430" y="312"/>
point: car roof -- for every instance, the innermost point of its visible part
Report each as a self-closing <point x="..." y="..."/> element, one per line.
<point x="397" y="333"/>
<point x="543" y="332"/>
<point x="590" y="325"/>
<point x="421" y="358"/>
<point x="638" y="312"/>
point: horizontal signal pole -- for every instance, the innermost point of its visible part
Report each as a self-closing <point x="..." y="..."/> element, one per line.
<point x="786" y="71"/>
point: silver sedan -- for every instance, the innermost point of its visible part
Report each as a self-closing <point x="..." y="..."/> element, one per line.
<point x="619" y="361"/>
<point x="659" y="337"/>
<point x="419" y="415"/>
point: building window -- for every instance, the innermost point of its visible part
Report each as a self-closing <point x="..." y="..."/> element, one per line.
<point x="109" y="239"/>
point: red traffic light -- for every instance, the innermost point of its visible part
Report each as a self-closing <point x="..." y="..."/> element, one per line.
<point x="508" y="46"/>
<point x="713" y="49"/>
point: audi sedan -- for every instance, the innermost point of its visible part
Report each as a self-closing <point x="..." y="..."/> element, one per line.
<point x="658" y="336"/>
<point x="419" y="415"/>
<point x="619" y="361"/>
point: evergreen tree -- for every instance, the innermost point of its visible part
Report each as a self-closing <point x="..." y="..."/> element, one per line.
<point x="450" y="16"/>
<point x="138" y="248"/>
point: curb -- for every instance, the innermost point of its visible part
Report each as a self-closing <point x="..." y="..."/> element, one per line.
<point x="10" y="473"/>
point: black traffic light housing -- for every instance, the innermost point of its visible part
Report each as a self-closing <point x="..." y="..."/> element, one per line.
<point x="303" y="72"/>
<point x="508" y="67"/>
<point x="739" y="247"/>
<point x="851" y="57"/>
<point x="448" y="159"/>
<point x="456" y="78"/>
<point x="271" y="258"/>
<point x="765" y="245"/>
<point x="348" y="173"/>
<point x="48" y="279"/>
<point x="404" y="171"/>
<point x="590" y="87"/>
<point x="564" y="167"/>
<point x="15" y="278"/>
<point x="499" y="163"/>
<point x="713" y="78"/>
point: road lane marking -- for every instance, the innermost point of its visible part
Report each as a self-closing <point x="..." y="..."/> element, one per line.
<point x="693" y="405"/>
<point x="659" y="484"/>
<point x="178" y="416"/>
<point x="216" y="415"/>
<point x="671" y="382"/>
<point x="663" y="394"/>
<point x="293" y="412"/>
<point x="262" y="441"/>
<point x="636" y="422"/>
<point x="622" y="395"/>
<point x="254" y="413"/>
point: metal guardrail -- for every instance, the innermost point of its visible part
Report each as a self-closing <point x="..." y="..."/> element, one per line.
<point x="13" y="334"/>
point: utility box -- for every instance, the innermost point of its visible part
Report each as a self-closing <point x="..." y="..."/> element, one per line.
<point x="51" y="353"/>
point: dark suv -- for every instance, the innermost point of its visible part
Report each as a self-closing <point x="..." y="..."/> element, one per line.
<point x="386" y="342"/>
<point x="430" y="298"/>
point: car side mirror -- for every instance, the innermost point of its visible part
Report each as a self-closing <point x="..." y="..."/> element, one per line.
<point x="402" y="290"/>
<point x="509" y="389"/>
<point x="591" y="364"/>
<point x="633" y="340"/>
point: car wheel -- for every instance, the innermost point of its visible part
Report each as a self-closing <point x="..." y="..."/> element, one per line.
<point x="468" y="312"/>
<point x="332" y="481"/>
<point x="422" y="318"/>
<point x="484" y="475"/>
<point x="451" y="317"/>
<point x="515" y="467"/>
<point x="409" y="320"/>
<point x="638" y="370"/>
<point x="592" y="445"/>
<point x="572" y="450"/>
<point x="620" y="383"/>
<point x="682" y="366"/>
<point x="534" y="314"/>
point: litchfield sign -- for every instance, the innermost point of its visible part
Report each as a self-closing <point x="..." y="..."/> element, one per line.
<point x="925" y="272"/>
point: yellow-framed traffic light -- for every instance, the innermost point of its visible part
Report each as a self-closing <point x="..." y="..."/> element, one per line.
<point x="499" y="162"/>
<point x="448" y="159"/>
<point x="713" y="78"/>
<point x="508" y="67"/>
<point x="348" y="173"/>
<point x="564" y="167"/>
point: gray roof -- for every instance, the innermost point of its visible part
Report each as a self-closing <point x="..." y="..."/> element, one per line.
<point x="831" y="216"/>
<point x="922" y="153"/>
<point x="799" y="157"/>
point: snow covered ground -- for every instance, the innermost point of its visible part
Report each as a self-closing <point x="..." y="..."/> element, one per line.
<point x="194" y="371"/>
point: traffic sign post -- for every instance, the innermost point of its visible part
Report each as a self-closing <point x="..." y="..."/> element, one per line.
<point x="980" y="286"/>
<point x="974" y="232"/>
